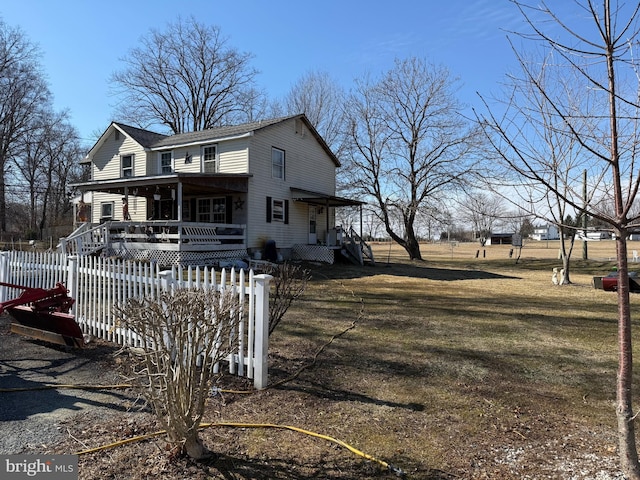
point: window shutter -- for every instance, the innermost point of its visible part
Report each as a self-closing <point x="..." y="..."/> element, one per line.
<point x="268" y="209"/>
<point x="286" y="211"/>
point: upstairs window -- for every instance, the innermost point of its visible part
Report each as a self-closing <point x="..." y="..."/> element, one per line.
<point x="166" y="162"/>
<point x="277" y="163"/>
<point x="126" y="166"/>
<point x="209" y="159"/>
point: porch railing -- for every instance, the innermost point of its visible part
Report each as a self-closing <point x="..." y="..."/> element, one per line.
<point x="155" y="235"/>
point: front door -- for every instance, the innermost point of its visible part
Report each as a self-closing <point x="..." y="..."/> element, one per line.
<point x="313" y="236"/>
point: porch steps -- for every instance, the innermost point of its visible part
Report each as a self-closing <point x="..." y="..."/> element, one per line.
<point x="85" y="240"/>
<point x="356" y="249"/>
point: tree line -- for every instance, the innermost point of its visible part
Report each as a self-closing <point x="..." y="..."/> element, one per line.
<point x="39" y="148"/>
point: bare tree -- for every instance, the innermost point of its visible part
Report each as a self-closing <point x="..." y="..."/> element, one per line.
<point x="559" y="159"/>
<point x="482" y="211"/>
<point x="321" y="99"/>
<point x="408" y="143"/>
<point x="184" y="333"/>
<point x="23" y="93"/>
<point x="45" y="165"/>
<point x="186" y="78"/>
<point x="602" y="60"/>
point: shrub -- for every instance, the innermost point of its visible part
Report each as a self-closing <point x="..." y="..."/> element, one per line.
<point x="288" y="284"/>
<point x="183" y="334"/>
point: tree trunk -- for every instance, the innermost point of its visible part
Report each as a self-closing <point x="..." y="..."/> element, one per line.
<point x="194" y="447"/>
<point x="413" y="249"/>
<point x="3" y="202"/>
<point x="410" y="244"/>
<point x="624" y="410"/>
<point x="566" y="256"/>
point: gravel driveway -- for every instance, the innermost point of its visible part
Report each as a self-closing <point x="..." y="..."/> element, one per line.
<point x="31" y="418"/>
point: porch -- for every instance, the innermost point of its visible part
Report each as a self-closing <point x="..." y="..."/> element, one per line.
<point x="348" y="245"/>
<point x="166" y="242"/>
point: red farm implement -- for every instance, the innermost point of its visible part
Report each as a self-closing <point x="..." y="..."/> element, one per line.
<point x="44" y="314"/>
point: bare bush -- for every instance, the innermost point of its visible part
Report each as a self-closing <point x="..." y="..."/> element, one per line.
<point x="183" y="334"/>
<point x="289" y="283"/>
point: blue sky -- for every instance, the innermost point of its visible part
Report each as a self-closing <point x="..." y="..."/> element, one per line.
<point x="83" y="40"/>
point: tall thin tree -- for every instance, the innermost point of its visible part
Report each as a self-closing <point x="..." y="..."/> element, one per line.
<point x="23" y="92"/>
<point x="600" y="55"/>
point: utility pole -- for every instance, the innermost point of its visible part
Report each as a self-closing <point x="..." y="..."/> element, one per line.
<point x="585" y="253"/>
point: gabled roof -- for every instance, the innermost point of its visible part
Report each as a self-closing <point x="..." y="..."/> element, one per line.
<point x="145" y="138"/>
<point x="155" y="141"/>
<point x="213" y="134"/>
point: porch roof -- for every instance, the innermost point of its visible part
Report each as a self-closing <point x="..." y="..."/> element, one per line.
<point x="322" y="199"/>
<point x="192" y="184"/>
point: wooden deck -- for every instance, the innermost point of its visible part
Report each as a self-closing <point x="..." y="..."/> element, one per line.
<point x="167" y="242"/>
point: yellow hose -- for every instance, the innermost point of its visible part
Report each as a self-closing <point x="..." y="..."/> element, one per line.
<point x="352" y="449"/>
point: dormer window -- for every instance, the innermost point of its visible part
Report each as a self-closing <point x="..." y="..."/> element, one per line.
<point x="209" y="159"/>
<point x="126" y="165"/>
<point x="166" y="162"/>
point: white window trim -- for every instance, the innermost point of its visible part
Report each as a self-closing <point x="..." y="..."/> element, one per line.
<point x="283" y="166"/>
<point x="212" y="214"/>
<point x="172" y="166"/>
<point x="104" y="204"/>
<point x="215" y="161"/>
<point x="122" y="168"/>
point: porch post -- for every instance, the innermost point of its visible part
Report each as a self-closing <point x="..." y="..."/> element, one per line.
<point x="326" y="209"/>
<point x="179" y="200"/>
<point x="125" y="205"/>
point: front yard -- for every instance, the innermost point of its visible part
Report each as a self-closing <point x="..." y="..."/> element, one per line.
<point x="457" y="367"/>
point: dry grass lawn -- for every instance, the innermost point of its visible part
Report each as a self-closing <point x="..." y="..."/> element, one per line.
<point x="457" y="367"/>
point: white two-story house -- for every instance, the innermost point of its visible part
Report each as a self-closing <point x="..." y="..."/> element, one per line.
<point x="210" y="195"/>
<point x="546" y="232"/>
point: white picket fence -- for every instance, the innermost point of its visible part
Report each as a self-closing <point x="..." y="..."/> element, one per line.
<point x="97" y="284"/>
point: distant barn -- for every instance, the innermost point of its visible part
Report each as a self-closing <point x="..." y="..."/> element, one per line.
<point x="500" y="239"/>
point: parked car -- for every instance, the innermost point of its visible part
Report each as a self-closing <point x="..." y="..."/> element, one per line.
<point x="610" y="282"/>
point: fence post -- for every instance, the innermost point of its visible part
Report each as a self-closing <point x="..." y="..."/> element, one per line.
<point x="4" y="273"/>
<point x="167" y="281"/>
<point x="72" y="280"/>
<point x="261" y="352"/>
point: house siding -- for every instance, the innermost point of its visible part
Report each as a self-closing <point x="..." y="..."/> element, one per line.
<point x="232" y="158"/>
<point x="307" y="166"/>
<point x="137" y="207"/>
<point x="106" y="162"/>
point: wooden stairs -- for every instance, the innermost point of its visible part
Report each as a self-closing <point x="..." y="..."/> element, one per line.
<point x="356" y="249"/>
